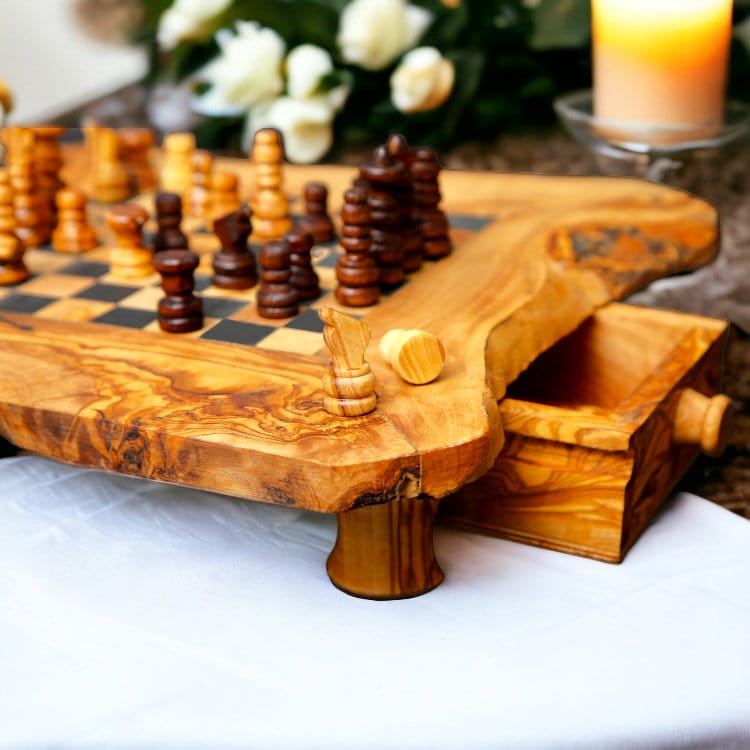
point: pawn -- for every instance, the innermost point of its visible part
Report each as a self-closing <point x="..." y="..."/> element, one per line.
<point x="129" y="260"/>
<point x="180" y="311"/>
<point x="234" y="265"/>
<point x="73" y="234"/>
<point x="198" y="198"/>
<point x="177" y="171"/>
<point x="316" y="220"/>
<point x="168" y="218"/>
<point x="270" y="205"/>
<point x="110" y="181"/>
<point x="433" y="222"/>
<point x="277" y="298"/>
<point x="356" y="270"/>
<point x="303" y="278"/>
<point x="224" y="196"/>
<point x="12" y="268"/>
<point x="135" y="146"/>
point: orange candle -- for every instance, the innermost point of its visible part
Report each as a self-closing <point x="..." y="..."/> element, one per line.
<point x="662" y="63"/>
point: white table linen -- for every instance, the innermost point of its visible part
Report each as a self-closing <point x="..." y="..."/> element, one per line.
<point x="135" y="614"/>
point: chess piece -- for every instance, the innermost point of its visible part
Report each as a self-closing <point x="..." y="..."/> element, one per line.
<point x="12" y="268"/>
<point x="234" y="265"/>
<point x="276" y="298"/>
<point x="19" y="159"/>
<point x="129" y="260"/>
<point x="385" y="174"/>
<point x="270" y="206"/>
<point x="416" y="356"/>
<point x="108" y="176"/>
<point x="198" y="198"/>
<point x="433" y="222"/>
<point x="180" y="311"/>
<point x="47" y="165"/>
<point x="316" y="220"/>
<point x="177" y="171"/>
<point x="135" y="147"/>
<point x="410" y="228"/>
<point x="169" y="218"/>
<point x="224" y="196"/>
<point x="303" y="278"/>
<point x="349" y="384"/>
<point x="73" y="234"/>
<point x="356" y="270"/>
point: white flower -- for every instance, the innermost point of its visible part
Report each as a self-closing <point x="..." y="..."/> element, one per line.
<point x="187" y="19"/>
<point x="247" y="71"/>
<point x="305" y="66"/>
<point x="306" y="125"/>
<point x="423" y="80"/>
<point x="373" y="33"/>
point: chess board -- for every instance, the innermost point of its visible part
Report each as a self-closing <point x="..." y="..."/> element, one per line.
<point x="238" y="407"/>
<point x="80" y="288"/>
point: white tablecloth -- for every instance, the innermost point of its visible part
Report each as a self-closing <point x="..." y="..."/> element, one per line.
<point x="143" y="615"/>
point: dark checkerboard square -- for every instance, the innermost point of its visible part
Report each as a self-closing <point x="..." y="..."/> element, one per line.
<point x="24" y="303"/>
<point x="236" y="332"/>
<point x="127" y="317"/>
<point x="217" y="307"/>
<point x="202" y="282"/>
<point x="330" y="258"/>
<point x="307" y="320"/>
<point x="473" y="223"/>
<point x="86" y="268"/>
<point x="106" y="292"/>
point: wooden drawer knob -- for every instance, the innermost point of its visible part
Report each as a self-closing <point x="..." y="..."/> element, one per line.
<point x="702" y="420"/>
<point x="417" y="356"/>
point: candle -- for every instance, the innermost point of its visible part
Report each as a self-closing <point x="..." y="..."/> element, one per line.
<point x="661" y="63"/>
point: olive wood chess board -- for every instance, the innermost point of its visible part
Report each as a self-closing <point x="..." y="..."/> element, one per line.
<point x="539" y="257"/>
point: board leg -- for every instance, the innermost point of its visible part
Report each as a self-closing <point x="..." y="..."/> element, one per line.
<point x="385" y="551"/>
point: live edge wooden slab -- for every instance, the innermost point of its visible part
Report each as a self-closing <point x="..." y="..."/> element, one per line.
<point x="250" y="422"/>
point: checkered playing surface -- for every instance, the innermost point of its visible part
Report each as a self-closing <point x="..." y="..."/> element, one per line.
<point x="80" y="288"/>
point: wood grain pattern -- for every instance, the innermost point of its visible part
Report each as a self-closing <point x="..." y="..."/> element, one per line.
<point x="591" y="449"/>
<point x="251" y="423"/>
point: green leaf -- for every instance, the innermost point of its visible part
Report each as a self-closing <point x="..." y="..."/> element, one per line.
<point x="561" y="23"/>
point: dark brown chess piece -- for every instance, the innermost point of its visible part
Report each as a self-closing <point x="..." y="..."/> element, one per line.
<point x="303" y="278"/>
<point x="234" y="265"/>
<point x="433" y="222"/>
<point x="384" y="174"/>
<point x="169" y="236"/>
<point x="356" y="270"/>
<point x="316" y="220"/>
<point x="180" y="311"/>
<point x="276" y="298"/>
<point x="410" y="229"/>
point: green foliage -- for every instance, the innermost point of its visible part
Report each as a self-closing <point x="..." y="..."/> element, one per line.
<point x="512" y="58"/>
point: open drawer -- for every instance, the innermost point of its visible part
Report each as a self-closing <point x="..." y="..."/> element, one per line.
<point x="598" y="431"/>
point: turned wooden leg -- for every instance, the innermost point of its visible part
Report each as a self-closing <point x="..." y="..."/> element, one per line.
<point x="385" y="551"/>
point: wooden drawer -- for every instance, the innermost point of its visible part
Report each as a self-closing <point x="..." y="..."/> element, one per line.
<point x="598" y="431"/>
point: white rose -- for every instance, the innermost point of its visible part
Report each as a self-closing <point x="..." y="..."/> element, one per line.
<point x="422" y="81"/>
<point x="187" y="19"/>
<point x="247" y="71"/>
<point x="373" y="33"/>
<point x="305" y="66"/>
<point x="306" y="125"/>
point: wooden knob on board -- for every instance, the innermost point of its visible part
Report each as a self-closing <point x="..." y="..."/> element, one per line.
<point x="702" y="420"/>
<point x="417" y="356"/>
